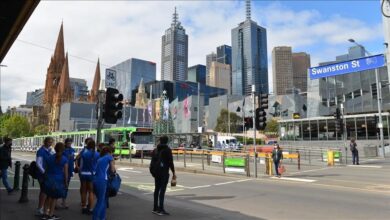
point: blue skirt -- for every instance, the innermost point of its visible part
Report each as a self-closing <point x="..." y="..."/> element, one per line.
<point x="55" y="188"/>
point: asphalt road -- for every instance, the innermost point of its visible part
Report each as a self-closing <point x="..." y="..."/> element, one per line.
<point x="342" y="192"/>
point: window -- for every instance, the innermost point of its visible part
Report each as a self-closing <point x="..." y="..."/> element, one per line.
<point x="357" y="93"/>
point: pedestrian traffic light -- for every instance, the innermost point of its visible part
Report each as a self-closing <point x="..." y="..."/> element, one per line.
<point x="263" y="101"/>
<point x="113" y="106"/>
<point x="248" y="122"/>
<point x="337" y="114"/>
<point x="260" y="119"/>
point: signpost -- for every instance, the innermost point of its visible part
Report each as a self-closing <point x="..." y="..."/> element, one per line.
<point x="110" y="78"/>
<point x="352" y="66"/>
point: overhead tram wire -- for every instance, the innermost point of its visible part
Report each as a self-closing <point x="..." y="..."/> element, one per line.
<point x="70" y="55"/>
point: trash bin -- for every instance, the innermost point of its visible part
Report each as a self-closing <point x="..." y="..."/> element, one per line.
<point x="330" y="158"/>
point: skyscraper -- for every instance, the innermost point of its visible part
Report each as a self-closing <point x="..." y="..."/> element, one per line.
<point x="174" y="52"/>
<point x="282" y="70"/>
<point x="209" y="58"/>
<point x="197" y="74"/>
<point x="249" y="56"/>
<point x="224" y="54"/>
<point x="220" y="76"/>
<point x="300" y="63"/>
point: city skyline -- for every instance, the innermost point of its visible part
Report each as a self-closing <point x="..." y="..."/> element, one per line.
<point x="34" y="59"/>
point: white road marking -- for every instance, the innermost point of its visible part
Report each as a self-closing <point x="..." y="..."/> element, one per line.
<point x="230" y="182"/>
<point x="129" y="170"/>
<point x="198" y="187"/>
<point x="20" y="158"/>
<point x="365" y="166"/>
<point x="306" y="171"/>
<point x="294" y="179"/>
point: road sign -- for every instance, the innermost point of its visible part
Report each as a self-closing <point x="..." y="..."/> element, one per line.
<point x="356" y="65"/>
<point x="110" y="78"/>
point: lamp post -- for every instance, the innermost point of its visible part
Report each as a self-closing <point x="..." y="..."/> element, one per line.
<point x="1" y="65"/>
<point x="379" y="98"/>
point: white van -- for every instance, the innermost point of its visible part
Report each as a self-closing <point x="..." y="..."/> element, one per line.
<point x="226" y="142"/>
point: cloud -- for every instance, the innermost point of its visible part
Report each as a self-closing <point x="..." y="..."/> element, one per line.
<point x="118" y="30"/>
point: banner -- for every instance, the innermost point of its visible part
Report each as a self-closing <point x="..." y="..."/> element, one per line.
<point x="186" y="108"/>
<point x="166" y="109"/>
<point x="150" y="110"/>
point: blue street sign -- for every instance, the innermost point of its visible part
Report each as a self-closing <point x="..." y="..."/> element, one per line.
<point x="352" y="66"/>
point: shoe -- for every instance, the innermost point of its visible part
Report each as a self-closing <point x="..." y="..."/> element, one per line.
<point x="156" y="212"/>
<point x="45" y="217"/>
<point x="84" y="210"/>
<point x="39" y="212"/>
<point x="53" y="217"/>
<point x="163" y="212"/>
<point x="89" y="212"/>
<point x="10" y="192"/>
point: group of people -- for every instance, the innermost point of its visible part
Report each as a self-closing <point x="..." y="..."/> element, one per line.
<point x="56" y="168"/>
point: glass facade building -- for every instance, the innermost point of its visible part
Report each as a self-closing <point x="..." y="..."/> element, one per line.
<point x="129" y="74"/>
<point x="249" y="58"/>
<point x="79" y="88"/>
<point x="224" y="54"/>
<point x="197" y="74"/>
<point x="35" y="98"/>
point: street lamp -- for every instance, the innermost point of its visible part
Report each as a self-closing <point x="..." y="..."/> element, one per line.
<point x="1" y="65"/>
<point x="379" y="94"/>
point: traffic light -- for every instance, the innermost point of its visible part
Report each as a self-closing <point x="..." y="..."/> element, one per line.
<point x="339" y="126"/>
<point x="260" y="119"/>
<point x="113" y="106"/>
<point x="263" y="101"/>
<point x="337" y="114"/>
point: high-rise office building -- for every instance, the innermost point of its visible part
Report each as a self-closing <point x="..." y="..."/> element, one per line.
<point x="249" y="57"/>
<point x="224" y="54"/>
<point x="220" y="76"/>
<point x="300" y="63"/>
<point x="209" y="58"/>
<point x="282" y="69"/>
<point x="35" y="98"/>
<point x="79" y="88"/>
<point x="174" y="52"/>
<point x="197" y="74"/>
<point x="130" y="72"/>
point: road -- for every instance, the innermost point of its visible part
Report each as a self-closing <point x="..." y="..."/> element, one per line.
<point x="343" y="192"/>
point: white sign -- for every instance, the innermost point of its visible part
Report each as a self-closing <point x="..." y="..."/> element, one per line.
<point x="110" y="78"/>
<point x="216" y="159"/>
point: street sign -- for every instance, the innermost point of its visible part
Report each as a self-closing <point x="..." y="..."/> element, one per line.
<point x="356" y="65"/>
<point x="110" y="78"/>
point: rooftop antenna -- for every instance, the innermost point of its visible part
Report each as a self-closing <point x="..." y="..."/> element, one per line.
<point x="175" y="17"/>
<point x="248" y="9"/>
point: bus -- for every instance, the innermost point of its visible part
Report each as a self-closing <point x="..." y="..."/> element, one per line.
<point x="130" y="141"/>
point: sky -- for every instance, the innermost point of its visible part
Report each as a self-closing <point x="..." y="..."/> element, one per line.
<point x="115" y="31"/>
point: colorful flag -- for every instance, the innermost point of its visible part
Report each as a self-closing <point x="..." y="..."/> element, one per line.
<point x="166" y="109"/>
<point x="186" y="108"/>
<point x="150" y="107"/>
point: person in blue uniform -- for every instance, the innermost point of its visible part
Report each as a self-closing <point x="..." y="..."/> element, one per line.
<point x="69" y="153"/>
<point x="87" y="171"/>
<point x="105" y="165"/>
<point x="56" y="180"/>
<point x="42" y="155"/>
<point x="77" y="164"/>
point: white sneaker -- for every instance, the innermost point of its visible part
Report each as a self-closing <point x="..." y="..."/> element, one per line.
<point x="39" y="212"/>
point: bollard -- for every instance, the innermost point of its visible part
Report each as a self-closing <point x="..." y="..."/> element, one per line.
<point x="223" y="162"/>
<point x="299" y="160"/>
<point x="142" y="156"/>
<point x="248" y="173"/>
<point x="184" y="158"/>
<point x="208" y="158"/>
<point x="17" y="176"/>
<point x="23" y="195"/>
<point x="202" y="159"/>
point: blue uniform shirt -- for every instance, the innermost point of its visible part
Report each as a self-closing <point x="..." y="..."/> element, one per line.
<point x="88" y="162"/>
<point x="42" y="155"/>
<point x="69" y="154"/>
<point x="56" y="170"/>
<point x="102" y="166"/>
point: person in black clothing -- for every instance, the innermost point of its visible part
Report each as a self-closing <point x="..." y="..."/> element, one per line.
<point x="5" y="162"/>
<point x="355" y="152"/>
<point x="277" y="156"/>
<point x="162" y="158"/>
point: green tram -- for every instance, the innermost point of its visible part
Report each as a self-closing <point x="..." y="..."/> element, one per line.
<point x="129" y="140"/>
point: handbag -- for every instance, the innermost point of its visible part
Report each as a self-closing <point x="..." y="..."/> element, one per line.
<point x="114" y="183"/>
<point x="173" y="182"/>
<point x="281" y="169"/>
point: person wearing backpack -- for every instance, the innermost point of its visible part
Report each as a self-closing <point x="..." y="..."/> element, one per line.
<point x="87" y="171"/>
<point x="160" y="164"/>
<point x="355" y="152"/>
<point x="5" y="162"/>
<point x="105" y="165"/>
<point x="43" y="153"/>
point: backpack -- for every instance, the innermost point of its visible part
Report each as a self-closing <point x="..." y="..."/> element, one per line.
<point x="114" y="183"/>
<point x="156" y="164"/>
<point x="33" y="170"/>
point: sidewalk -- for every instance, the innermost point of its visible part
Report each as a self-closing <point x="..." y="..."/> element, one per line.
<point x="130" y="204"/>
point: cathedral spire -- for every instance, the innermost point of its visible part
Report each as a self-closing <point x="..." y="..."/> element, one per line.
<point x="248" y="9"/>
<point x="59" y="52"/>
<point x="96" y="82"/>
<point x="64" y="91"/>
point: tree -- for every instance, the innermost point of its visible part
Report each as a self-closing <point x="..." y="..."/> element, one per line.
<point x="3" y="118"/>
<point x="223" y="122"/>
<point x="16" y="126"/>
<point x="272" y="126"/>
<point x="41" y="130"/>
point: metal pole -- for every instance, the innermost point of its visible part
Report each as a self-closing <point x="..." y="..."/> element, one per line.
<point x="227" y="104"/>
<point x="198" y="106"/>
<point x="90" y="125"/>
<point x="254" y="128"/>
<point x="100" y="116"/>
<point x="344" y="132"/>
<point x="124" y="114"/>
<point x="380" y="125"/>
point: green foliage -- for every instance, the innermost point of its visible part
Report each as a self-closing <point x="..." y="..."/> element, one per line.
<point x="223" y="122"/>
<point x="272" y="126"/>
<point x="249" y="141"/>
<point x="41" y="130"/>
<point x="3" y="118"/>
<point x="15" y="126"/>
